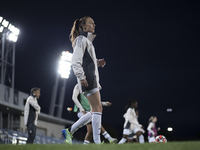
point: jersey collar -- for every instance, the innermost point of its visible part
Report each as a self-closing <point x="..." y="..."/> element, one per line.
<point x="88" y="35"/>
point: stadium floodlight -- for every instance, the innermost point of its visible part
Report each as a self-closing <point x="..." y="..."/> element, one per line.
<point x="1" y="18"/>
<point x="5" y="23"/>
<point x="169" y="129"/>
<point x="65" y="64"/>
<point x="12" y="37"/>
<point x="1" y="29"/>
<point x="66" y="56"/>
<point x="13" y="29"/>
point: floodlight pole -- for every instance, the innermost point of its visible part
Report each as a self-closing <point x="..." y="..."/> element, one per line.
<point x="53" y="96"/>
<point x="13" y="66"/>
<point x="1" y="120"/>
<point x="7" y="61"/>
<point x="61" y="99"/>
<point x="2" y="57"/>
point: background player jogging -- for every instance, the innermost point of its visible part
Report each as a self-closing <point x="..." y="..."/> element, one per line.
<point x="82" y="106"/>
<point x="131" y="124"/>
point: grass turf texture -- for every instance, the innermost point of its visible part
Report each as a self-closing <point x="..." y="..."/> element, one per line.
<point x="189" y="145"/>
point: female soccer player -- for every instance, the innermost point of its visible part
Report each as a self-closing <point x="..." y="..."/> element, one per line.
<point x="131" y="124"/>
<point x="85" y="66"/>
<point x="82" y="106"/>
<point x="152" y="131"/>
<point x="132" y="135"/>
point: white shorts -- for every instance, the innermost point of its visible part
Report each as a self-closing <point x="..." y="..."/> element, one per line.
<point x="130" y="131"/>
<point x="135" y="130"/>
<point x="132" y="136"/>
<point x="126" y="132"/>
<point x="151" y="139"/>
<point x="90" y="92"/>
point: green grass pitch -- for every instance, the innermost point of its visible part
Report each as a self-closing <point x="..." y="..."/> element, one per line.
<point x="189" y="145"/>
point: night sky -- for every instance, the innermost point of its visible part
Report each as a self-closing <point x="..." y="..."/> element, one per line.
<point x="151" y="49"/>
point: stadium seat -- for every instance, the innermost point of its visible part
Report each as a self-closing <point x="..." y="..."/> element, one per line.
<point x="21" y="136"/>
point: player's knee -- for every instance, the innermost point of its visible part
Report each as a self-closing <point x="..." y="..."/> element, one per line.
<point x="138" y="133"/>
<point x="125" y="136"/>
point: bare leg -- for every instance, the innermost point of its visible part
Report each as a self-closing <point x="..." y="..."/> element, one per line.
<point x="130" y="140"/>
<point x="138" y="133"/>
<point x="95" y="102"/>
<point x="140" y="136"/>
<point x="102" y="129"/>
<point x="125" y="136"/>
<point x="88" y="135"/>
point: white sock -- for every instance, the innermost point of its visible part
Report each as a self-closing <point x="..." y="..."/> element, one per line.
<point x="122" y="141"/>
<point x="96" y="127"/>
<point x="106" y="135"/>
<point x="86" y="142"/>
<point x="81" y="122"/>
<point x="141" y="139"/>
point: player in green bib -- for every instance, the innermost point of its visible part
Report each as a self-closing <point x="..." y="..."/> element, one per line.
<point x="82" y="106"/>
<point x="84" y="103"/>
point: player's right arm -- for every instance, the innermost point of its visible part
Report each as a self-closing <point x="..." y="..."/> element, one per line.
<point x="76" y="92"/>
<point x="77" y="57"/>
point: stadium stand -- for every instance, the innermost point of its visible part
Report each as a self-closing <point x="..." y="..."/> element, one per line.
<point x="14" y="137"/>
<point x="12" y="128"/>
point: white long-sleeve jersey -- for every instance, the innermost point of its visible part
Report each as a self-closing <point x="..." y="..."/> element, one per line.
<point x="150" y="127"/>
<point x="31" y="110"/>
<point x="84" y="61"/>
<point x="131" y="118"/>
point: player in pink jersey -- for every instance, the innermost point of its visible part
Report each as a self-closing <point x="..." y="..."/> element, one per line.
<point x="152" y="131"/>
